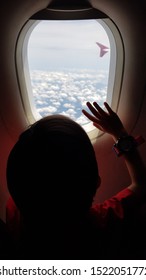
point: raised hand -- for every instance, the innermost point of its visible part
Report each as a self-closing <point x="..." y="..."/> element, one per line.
<point x="105" y="121"/>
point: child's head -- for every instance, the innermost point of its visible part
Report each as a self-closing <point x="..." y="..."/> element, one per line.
<point x="53" y="163"/>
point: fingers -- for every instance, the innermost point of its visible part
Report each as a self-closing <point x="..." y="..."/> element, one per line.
<point x="98" y="126"/>
<point x="108" y="108"/>
<point x="89" y="116"/>
<point x="94" y="111"/>
<point x="98" y="113"/>
<point x="100" y="110"/>
<point x="95" y="121"/>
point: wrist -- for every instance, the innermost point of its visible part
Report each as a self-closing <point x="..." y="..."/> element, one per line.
<point x="127" y="144"/>
<point x="119" y="134"/>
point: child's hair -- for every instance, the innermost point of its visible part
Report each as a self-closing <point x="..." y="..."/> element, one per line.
<point x="53" y="163"/>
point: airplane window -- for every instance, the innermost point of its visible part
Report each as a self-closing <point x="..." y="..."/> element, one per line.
<point x="62" y="64"/>
<point x="68" y="65"/>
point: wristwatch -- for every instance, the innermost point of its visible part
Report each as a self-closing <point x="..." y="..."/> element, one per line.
<point x="126" y="144"/>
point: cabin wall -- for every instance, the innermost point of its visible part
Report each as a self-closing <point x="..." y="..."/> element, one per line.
<point x="13" y="15"/>
<point x="131" y="22"/>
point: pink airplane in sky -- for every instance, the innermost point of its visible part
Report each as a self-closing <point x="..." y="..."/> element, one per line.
<point x="103" y="49"/>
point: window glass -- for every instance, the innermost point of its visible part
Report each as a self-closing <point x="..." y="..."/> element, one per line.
<point x="68" y="65"/>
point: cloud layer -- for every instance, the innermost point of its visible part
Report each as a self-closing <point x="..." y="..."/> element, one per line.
<point x="66" y="92"/>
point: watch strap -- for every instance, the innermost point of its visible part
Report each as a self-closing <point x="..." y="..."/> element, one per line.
<point x="138" y="141"/>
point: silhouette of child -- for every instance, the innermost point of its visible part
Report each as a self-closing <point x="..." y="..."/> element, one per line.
<point x="52" y="176"/>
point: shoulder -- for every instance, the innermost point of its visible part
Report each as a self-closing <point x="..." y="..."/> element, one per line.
<point x="118" y="207"/>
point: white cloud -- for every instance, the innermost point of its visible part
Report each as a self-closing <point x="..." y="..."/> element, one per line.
<point x="68" y="92"/>
<point x="72" y="99"/>
<point x="56" y="103"/>
<point x="68" y="105"/>
<point x="40" y="103"/>
<point x="47" y="110"/>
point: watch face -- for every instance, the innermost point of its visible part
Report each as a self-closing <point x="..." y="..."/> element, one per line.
<point x="126" y="144"/>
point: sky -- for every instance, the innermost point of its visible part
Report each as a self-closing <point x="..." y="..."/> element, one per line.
<point x="68" y="44"/>
<point x="66" y="68"/>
